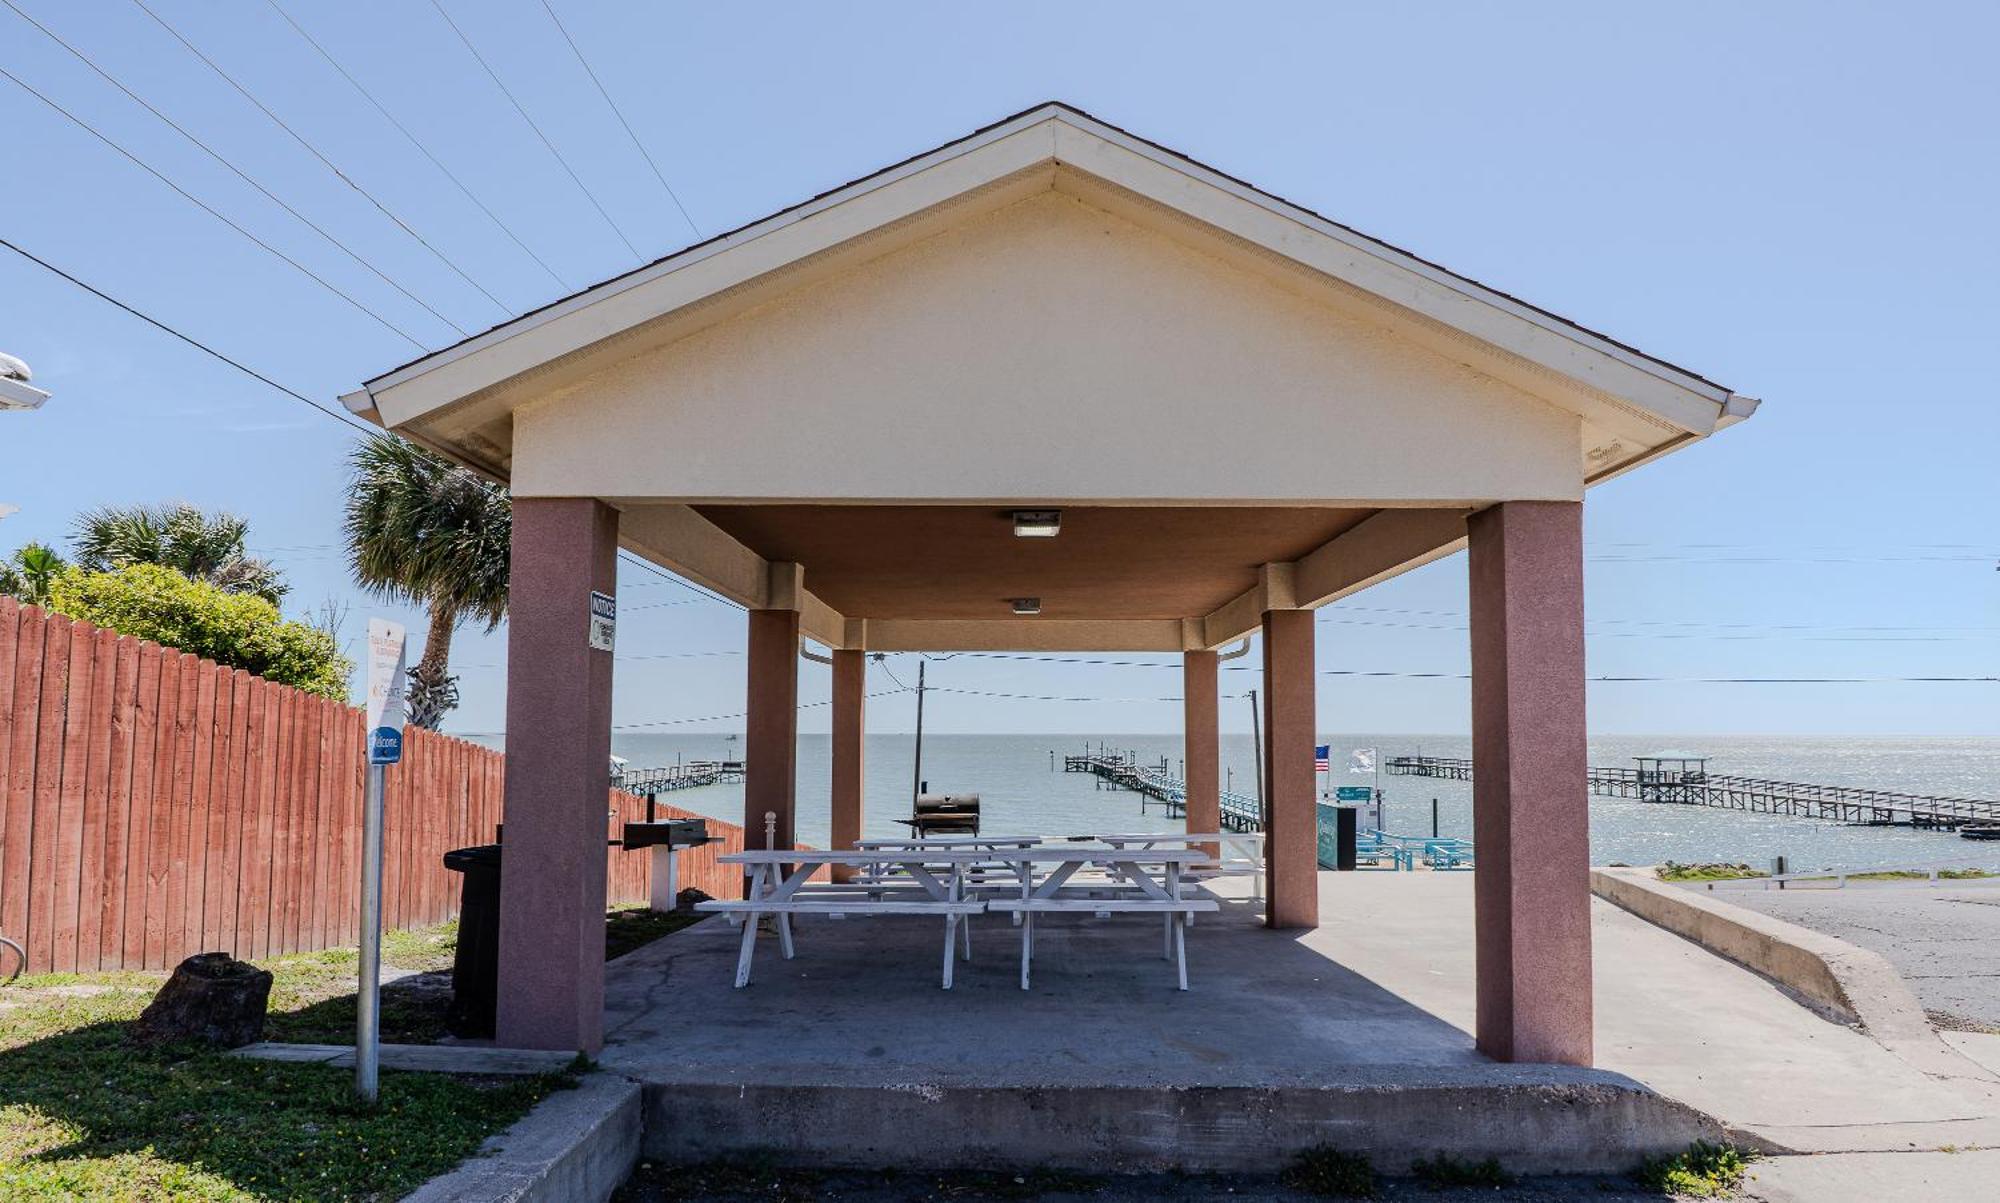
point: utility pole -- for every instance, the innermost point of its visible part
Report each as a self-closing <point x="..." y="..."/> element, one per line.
<point x="917" y="773"/>
<point x="1257" y="738"/>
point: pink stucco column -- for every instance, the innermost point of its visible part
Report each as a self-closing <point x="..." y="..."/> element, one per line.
<point x="552" y="892"/>
<point x="771" y="735"/>
<point x="1200" y="739"/>
<point x="1291" y="845"/>
<point x="1530" y="811"/>
<point x="850" y="685"/>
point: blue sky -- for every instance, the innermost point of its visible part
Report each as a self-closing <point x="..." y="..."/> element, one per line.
<point x="1793" y="199"/>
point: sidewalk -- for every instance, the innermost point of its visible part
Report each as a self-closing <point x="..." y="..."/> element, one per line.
<point x="1689" y="1024"/>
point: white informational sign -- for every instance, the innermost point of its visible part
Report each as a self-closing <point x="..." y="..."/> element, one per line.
<point x="385" y="691"/>
<point x="603" y="621"/>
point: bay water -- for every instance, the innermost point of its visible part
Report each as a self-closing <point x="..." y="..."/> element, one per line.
<point x="1024" y="791"/>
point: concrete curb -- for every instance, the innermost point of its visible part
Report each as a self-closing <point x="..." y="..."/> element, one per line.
<point x="1531" y="1119"/>
<point x="1847" y="984"/>
<point x="576" y="1146"/>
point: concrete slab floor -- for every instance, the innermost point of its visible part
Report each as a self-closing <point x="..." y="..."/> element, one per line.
<point x="861" y="1005"/>
<point x="1381" y="991"/>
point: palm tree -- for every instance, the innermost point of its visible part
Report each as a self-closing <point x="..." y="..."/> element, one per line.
<point x="29" y="572"/>
<point x="207" y="547"/>
<point x="424" y="531"/>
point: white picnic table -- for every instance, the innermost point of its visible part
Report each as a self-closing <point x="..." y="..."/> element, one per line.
<point x="1241" y="852"/>
<point x="934" y="881"/>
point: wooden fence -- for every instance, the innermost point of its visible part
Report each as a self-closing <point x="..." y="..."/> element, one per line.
<point x="154" y="804"/>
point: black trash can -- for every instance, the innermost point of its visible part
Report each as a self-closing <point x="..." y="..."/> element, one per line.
<point x="475" y="970"/>
<point x="1344" y="837"/>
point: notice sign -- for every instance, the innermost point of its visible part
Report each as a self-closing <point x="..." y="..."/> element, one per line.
<point x="603" y="621"/>
<point x="385" y="692"/>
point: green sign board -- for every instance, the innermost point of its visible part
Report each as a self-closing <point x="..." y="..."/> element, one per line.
<point x="1353" y="793"/>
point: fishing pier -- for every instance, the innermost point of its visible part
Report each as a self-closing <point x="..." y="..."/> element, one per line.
<point x="1687" y="781"/>
<point x="650" y="783"/>
<point x="1240" y="812"/>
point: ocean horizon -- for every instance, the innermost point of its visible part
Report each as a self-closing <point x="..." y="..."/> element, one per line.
<point x="1024" y="790"/>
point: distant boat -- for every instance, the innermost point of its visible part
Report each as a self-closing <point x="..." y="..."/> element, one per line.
<point x="1980" y="831"/>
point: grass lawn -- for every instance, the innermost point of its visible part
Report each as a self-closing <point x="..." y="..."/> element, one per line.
<point x="85" y="1115"/>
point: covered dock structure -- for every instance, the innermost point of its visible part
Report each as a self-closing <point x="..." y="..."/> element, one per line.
<point x="1052" y="387"/>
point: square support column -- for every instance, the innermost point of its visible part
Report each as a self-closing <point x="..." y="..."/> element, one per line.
<point x="552" y="895"/>
<point x="850" y="684"/>
<point x="1291" y="843"/>
<point x="1530" y="807"/>
<point x="771" y="737"/>
<point x="1200" y="742"/>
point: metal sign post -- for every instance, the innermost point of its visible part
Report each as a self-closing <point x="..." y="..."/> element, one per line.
<point x="385" y="747"/>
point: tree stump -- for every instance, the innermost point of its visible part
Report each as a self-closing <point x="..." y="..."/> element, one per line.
<point x="211" y="999"/>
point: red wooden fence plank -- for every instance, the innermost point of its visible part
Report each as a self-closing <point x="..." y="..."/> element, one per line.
<point x="277" y="929"/>
<point x="346" y="754"/>
<point x="197" y="696"/>
<point x="159" y="861"/>
<point x="37" y="934"/>
<point x="68" y="878"/>
<point x="108" y="952"/>
<point x="213" y="804"/>
<point x="258" y="828"/>
<point x="255" y="850"/>
<point x="90" y="864"/>
<point x="11" y="721"/>
<point x="130" y="950"/>
<point x="313" y="916"/>
<point x="393" y="793"/>
<point x="298" y="913"/>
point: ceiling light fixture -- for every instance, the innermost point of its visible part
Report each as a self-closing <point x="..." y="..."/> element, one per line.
<point x="1026" y="605"/>
<point x="1037" y="524"/>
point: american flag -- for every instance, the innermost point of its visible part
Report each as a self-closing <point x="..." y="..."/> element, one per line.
<point x="1322" y="758"/>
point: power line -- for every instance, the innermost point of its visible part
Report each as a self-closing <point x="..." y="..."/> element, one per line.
<point x="495" y="77"/>
<point x="315" y="152"/>
<point x="1344" y="607"/>
<point x="637" y="144"/>
<point x="421" y="148"/>
<point x="190" y="340"/>
<point x="681" y="722"/>
<point x="343" y="418"/>
<point x="204" y="206"/>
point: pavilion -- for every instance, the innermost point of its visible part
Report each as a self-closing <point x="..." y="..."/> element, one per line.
<point x="835" y="416"/>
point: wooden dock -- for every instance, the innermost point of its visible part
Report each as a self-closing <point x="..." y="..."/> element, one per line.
<point x="649" y="783"/>
<point x="1756" y="795"/>
<point x="1240" y="812"/>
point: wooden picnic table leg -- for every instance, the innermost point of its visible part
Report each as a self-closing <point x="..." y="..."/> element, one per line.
<point x="950" y="945"/>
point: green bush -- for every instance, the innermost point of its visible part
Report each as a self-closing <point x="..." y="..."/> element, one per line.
<point x="1722" y="871"/>
<point x="1325" y="1170"/>
<point x="148" y="601"/>
<point x="1704" y="1171"/>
